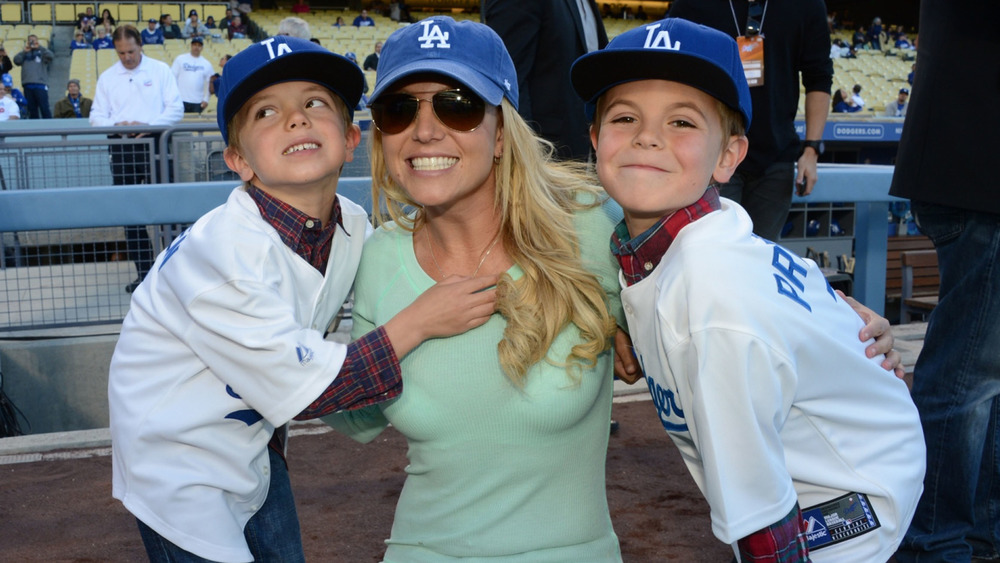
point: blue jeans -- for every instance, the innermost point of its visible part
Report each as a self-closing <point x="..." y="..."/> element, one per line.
<point x="38" y="102"/>
<point x="766" y="199"/>
<point x="272" y="533"/>
<point x="957" y="390"/>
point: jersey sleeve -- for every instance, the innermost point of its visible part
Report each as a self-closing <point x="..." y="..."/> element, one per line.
<point x="248" y="335"/>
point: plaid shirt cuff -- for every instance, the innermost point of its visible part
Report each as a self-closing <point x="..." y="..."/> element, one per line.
<point x="370" y="375"/>
<point x="782" y="542"/>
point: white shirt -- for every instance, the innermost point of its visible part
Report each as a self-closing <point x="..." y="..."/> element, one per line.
<point x="858" y="100"/>
<point x="193" y="75"/>
<point x="8" y="108"/>
<point x="147" y="94"/>
<point x="222" y="344"/>
<point x="759" y="378"/>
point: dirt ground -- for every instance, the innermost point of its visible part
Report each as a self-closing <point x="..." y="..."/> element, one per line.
<point x="346" y="493"/>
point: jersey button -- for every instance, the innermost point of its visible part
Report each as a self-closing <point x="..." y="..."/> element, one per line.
<point x="648" y="266"/>
<point x="309" y="224"/>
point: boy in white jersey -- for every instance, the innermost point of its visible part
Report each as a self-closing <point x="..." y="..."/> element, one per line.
<point x="803" y="446"/>
<point x="224" y="341"/>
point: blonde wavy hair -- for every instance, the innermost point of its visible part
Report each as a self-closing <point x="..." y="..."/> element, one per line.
<point x="536" y="197"/>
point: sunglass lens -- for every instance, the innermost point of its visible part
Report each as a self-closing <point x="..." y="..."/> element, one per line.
<point x="459" y="110"/>
<point x="393" y="113"/>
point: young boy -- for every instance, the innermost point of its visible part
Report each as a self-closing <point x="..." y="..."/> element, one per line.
<point x="8" y="107"/>
<point x="750" y="356"/>
<point x="224" y="341"/>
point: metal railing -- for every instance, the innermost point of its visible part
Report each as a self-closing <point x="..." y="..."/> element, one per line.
<point x="36" y="295"/>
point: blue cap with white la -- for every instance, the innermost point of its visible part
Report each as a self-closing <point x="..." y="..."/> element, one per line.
<point x="671" y="49"/>
<point x="8" y="80"/>
<point x="467" y="51"/>
<point x="284" y="58"/>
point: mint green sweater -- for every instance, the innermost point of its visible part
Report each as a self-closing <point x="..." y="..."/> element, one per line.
<point x="495" y="471"/>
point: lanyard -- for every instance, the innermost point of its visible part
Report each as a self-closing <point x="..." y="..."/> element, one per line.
<point x="736" y="22"/>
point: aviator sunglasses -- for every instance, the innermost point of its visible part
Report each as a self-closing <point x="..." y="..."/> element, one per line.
<point x="459" y="110"/>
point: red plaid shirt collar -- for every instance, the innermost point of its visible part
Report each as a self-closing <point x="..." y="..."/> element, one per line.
<point x="639" y="256"/>
<point x="305" y="235"/>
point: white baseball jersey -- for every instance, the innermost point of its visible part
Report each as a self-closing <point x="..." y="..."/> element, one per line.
<point x="8" y="108"/>
<point x="757" y="374"/>
<point x="192" y="74"/>
<point x="222" y="344"/>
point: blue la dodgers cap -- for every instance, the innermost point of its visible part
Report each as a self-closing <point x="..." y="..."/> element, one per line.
<point x="8" y="80"/>
<point x="284" y="58"/>
<point x="671" y="49"/>
<point x="467" y="51"/>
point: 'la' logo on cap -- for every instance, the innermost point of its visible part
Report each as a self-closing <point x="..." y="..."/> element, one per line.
<point x="432" y="34"/>
<point x="283" y="48"/>
<point x="661" y="40"/>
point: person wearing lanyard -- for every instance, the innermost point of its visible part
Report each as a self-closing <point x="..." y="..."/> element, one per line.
<point x="74" y="104"/>
<point x="137" y="90"/>
<point x="779" y="40"/>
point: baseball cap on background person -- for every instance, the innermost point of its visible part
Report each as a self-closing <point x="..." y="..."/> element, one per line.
<point x="152" y="20"/>
<point x="197" y="39"/>
<point x="904" y="91"/>
<point x="467" y="51"/>
<point x="192" y="13"/>
<point x="350" y="55"/>
<point x="284" y="58"/>
<point x="7" y="80"/>
<point x="671" y="49"/>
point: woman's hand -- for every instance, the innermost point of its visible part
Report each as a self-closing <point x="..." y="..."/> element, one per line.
<point x="626" y="366"/>
<point x="877" y="327"/>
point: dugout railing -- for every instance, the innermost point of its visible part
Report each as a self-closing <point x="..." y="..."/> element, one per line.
<point x="81" y="292"/>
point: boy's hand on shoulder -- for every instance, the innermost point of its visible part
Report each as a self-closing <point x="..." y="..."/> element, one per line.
<point x="452" y="306"/>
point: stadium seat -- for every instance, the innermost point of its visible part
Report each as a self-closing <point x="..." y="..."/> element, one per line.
<point x="128" y="13"/>
<point x="11" y="13"/>
<point x="41" y="12"/>
<point x="65" y="13"/>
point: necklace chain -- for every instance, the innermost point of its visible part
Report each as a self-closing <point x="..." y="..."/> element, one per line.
<point x="430" y="242"/>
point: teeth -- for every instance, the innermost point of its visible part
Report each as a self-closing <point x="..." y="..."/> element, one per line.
<point x="433" y="163"/>
<point x="301" y="147"/>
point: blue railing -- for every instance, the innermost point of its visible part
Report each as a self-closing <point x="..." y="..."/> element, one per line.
<point x="44" y="209"/>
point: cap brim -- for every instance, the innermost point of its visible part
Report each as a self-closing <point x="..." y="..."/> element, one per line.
<point x="338" y="74"/>
<point x="599" y="71"/>
<point x="481" y="85"/>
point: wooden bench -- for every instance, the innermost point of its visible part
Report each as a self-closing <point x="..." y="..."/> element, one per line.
<point x="920" y="282"/>
<point x="894" y="263"/>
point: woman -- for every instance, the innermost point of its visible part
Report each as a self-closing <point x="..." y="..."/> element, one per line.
<point x="107" y="22"/>
<point x="507" y="424"/>
<point x="843" y="103"/>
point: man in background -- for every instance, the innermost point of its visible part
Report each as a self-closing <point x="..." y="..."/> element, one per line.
<point x="193" y="73"/>
<point x="137" y="90"/>
<point x="780" y="40"/>
<point x="544" y="38"/>
<point x="74" y="104"/>
<point x="34" y="61"/>
<point x="945" y="167"/>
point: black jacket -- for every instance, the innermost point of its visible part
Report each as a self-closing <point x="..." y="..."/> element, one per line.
<point x="544" y="39"/>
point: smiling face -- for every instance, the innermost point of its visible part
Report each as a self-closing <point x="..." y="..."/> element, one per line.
<point x="294" y="138"/>
<point x="659" y="144"/>
<point x="441" y="168"/>
<point x="73" y="89"/>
